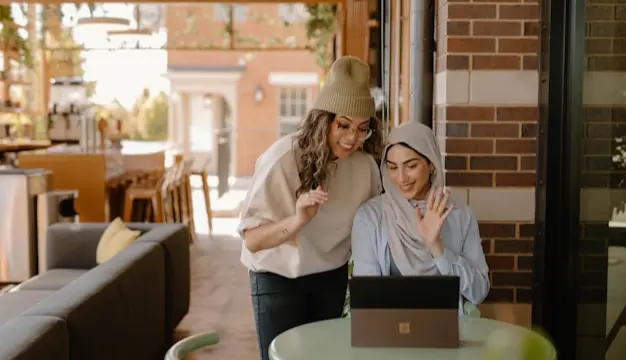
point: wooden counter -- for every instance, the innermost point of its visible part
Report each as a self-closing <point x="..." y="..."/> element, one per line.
<point x="22" y="145"/>
<point x="88" y="170"/>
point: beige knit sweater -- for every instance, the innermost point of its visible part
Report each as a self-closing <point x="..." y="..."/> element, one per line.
<point x="324" y="243"/>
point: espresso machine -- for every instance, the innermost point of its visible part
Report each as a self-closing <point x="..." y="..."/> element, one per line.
<point x="70" y="118"/>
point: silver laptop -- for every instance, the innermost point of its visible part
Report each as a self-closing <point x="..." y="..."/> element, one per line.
<point x="405" y="311"/>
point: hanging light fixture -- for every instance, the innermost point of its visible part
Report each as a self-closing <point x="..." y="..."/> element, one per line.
<point x="107" y="23"/>
<point x="131" y="36"/>
<point x="91" y="30"/>
<point x="101" y="22"/>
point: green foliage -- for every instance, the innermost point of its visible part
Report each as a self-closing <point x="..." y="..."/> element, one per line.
<point x="149" y="115"/>
<point x="320" y="28"/>
<point x="155" y="121"/>
<point x="11" y="39"/>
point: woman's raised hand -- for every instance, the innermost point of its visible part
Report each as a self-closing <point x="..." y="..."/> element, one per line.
<point x="430" y="222"/>
<point x="308" y="204"/>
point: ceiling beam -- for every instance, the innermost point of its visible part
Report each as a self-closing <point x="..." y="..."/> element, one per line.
<point x="173" y="2"/>
<point x="185" y="48"/>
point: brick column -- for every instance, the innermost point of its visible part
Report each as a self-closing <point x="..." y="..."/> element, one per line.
<point x="486" y="94"/>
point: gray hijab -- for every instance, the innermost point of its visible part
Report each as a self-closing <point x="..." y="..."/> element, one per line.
<point x="409" y="253"/>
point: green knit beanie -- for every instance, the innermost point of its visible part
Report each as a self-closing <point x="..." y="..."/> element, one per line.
<point x="346" y="91"/>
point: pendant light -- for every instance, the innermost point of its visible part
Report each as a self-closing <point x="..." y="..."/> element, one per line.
<point x="131" y="36"/>
<point x="100" y="22"/>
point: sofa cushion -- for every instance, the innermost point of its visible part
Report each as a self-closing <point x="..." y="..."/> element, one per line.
<point x="174" y="238"/>
<point x="117" y="309"/>
<point x="53" y="279"/>
<point x="14" y="303"/>
<point x="72" y="246"/>
<point x="34" y="338"/>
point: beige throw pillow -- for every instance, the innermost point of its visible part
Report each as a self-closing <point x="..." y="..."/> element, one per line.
<point x="115" y="226"/>
<point x="115" y="238"/>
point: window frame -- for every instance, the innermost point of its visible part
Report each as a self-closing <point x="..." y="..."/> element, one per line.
<point x="291" y="120"/>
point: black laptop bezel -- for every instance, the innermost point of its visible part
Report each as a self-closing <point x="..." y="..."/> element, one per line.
<point x="404" y="292"/>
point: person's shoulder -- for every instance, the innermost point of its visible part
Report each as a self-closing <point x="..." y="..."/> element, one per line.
<point x="461" y="208"/>
<point x="371" y="210"/>
<point x="280" y="152"/>
<point x="462" y="212"/>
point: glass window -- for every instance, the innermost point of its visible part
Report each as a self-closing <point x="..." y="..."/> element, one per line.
<point x="292" y="13"/>
<point x="585" y="304"/>
<point x="293" y="105"/>
<point x="220" y="12"/>
<point x="602" y="248"/>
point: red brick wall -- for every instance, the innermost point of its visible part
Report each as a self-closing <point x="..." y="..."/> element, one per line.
<point x="486" y="122"/>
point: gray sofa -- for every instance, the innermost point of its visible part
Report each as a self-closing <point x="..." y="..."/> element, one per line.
<point x="125" y="308"/>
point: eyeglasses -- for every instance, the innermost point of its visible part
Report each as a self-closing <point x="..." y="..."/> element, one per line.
<point x="344" y="130"/>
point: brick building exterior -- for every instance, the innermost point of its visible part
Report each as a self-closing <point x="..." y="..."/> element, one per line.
<point x="486" y="112"/>
<point x="287" y="79"/>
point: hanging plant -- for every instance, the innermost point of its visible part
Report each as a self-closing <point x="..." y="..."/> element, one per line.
<point x="11" y="39"/>
<point x="320" y="29"/>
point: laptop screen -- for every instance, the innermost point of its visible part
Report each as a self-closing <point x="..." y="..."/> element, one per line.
<point x="404" y="292"/>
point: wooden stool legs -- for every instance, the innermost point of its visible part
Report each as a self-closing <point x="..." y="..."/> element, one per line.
<point x="207" y="199"/>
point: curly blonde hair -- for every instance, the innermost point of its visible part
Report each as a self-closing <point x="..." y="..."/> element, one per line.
<point x="316" y="156"/>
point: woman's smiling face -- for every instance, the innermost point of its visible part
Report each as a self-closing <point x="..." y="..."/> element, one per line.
<point x="408" y="171"/>
<point x="347" y="134"/>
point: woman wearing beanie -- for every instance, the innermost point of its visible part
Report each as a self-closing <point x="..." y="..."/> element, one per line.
<point x="298" y="212"/>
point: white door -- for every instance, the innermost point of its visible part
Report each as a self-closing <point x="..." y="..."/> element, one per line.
<point x="201" y="129"/>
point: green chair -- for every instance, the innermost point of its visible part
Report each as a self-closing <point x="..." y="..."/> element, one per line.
<point x="190" y="344"/>
<point x="470" y="309"/>
<point x="504" y="344"/>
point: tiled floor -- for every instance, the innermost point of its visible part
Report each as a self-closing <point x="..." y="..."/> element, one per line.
<point x="220" y="298"/>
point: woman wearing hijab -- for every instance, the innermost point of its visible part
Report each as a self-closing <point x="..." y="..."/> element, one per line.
<point x="413" y="229"/>
<point x="298" y="212"/>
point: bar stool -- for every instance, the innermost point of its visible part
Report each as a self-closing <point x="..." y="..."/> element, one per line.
<point x="176" y="197"/>
<point x="145" y="190"/>
<point x="116" y="188"/>
<point x="183" y="191"/>
<point x="204" y="175"/>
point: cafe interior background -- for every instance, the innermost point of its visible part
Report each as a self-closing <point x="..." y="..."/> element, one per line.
<point x="526" y="98"/>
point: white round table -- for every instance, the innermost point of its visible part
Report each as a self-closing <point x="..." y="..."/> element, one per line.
<point x="330" y="340"/>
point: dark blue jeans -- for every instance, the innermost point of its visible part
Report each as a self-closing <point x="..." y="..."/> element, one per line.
<point x="280" y="303"/>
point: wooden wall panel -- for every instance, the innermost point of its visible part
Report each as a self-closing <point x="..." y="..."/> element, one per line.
<point x="206" y="1"/>
<point x="405" y="64"/>
<point x="356" y="34"/>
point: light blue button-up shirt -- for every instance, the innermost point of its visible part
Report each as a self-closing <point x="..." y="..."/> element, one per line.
<point x="463" y="253"/>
